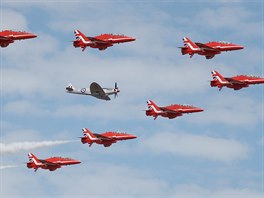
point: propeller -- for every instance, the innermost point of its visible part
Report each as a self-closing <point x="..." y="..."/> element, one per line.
<point x="116" y="90"/>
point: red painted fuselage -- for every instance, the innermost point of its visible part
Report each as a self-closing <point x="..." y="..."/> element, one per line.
<point x="106" y="139"/>
<point x="171" y="111"/>
<point x="235" y="82"/>
<point x="50" y="164"/>
<point x="209" y="50"/>
<point x="9" y="36"/>
<point x="101" y="42"/>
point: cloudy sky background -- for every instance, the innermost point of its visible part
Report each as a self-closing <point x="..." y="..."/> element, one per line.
<point x="216" y="153"/>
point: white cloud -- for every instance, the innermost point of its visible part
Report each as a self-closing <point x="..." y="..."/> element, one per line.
<point x="111" y="180"/>
<point x="228" y="107"/>
<point x="219" y="149"/>
<point x="22" y="108"/>
<point x="223" y="17"/>
<point x="196" y="191"/>
<point x="11" y="19"/>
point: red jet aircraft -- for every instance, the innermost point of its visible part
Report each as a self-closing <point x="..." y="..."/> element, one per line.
<point x="107" y="138"/>
<point x="209" y="50"/>
<point x="9" y="36"/>
<point x="171" y="111"/>
<point x="101" y="42"/>
<point x="51" y="163"/>
<point x="235" y="82"/>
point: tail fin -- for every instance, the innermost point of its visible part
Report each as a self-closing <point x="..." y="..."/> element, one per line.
<point x="80" y="36"/>
<point x="70" y="87"/>
<point x="34" y="162"/>
<point x="81" y="40"/>
<point x="153" y="106"/>
<point x="218" y="77"/>
<point x="33" y="159"/>
<point x="189" y="47"/>
<point x="88" y="137"/>
<point x="88" y="134"/>
<point x="218" y="80"/>
<point x="189" y="44"/>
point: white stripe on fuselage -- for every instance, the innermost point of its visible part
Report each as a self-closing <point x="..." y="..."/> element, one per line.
<point x="154" y="109"/>
<point x="89" y="135"/>
<point x="220" y="80"/>
<point x="82" y="39"/>
<point x="35" y="162"/>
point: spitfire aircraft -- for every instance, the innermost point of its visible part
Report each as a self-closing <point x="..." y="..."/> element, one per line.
<point x="9" y="36"/>
<point x="171" y="111"/>
<point x="209" y="50"/>
<point x="107" y="138"/>
<point x="95" y="90"/>
<point x="101" y="42"/>
<point x="235" y="82"/>
<point x="51" y="163"/>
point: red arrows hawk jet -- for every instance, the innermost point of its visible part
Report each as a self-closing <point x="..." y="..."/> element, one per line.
<point x="107" y="138"/>
<point x="9" y="36"/>
<point x="235" y="82"/>
<point x="101" y="42"/>
<point x="171" y="111"/>
<point x="51" y="163"/>
<point x="209" y="50"/>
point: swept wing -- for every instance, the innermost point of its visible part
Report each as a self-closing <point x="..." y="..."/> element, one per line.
<point x="97" y="41"/>
<point x="206" y="48"/>
<point x="171" y="111"/>
<point x="102" y="137"/>
<point x="236" y="82"/>
<point x="3" y="38"/>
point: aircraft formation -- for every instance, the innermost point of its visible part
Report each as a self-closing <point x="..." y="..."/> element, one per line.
<point x="102" y="42"/>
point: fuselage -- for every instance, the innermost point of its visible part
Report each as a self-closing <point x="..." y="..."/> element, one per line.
<point x="9" y="36"/>
<point x="209" y="50"/>
<point x="102" y="41"/>
<point x="224" y="46"/>
<point x="86" y="91"/>
<point x="107" y="138"/>
<point x="171" y="111"/>
<point x="244" y="79"/>
<point x="51" y="163"/>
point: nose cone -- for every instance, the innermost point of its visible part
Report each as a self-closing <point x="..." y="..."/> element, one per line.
<point x="131" y="136"/>
<point x="240" y="47"/>
<point x="29" y="35"/>
<point x="25" y="36"/>
<point x="132" y="39"/>
<point x="199" y="110"/>
<point x="237" y="47"/>
<point x="76" y="162"/>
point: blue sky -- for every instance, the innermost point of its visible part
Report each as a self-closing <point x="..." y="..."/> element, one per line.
<point x="216" y="153"/>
